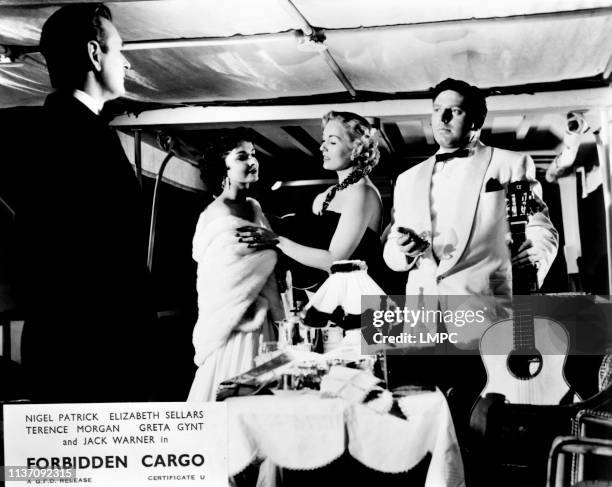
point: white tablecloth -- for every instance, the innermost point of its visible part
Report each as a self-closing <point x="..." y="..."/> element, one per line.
<point x="302" y="431"/>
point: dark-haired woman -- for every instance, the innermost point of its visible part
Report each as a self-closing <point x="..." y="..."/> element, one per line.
<point x="237" y="294"/>
<point x="347" y="217"/>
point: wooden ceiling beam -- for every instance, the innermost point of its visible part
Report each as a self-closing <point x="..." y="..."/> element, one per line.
<point x="264" y="145"/>
<point x="526" y="123"/>
<point x="394" y="136"/>
<point x="302" y="139"/>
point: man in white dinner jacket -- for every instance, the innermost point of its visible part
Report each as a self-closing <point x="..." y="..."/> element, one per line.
<point x="455" y="201"/>
<point x="450" y="233"/>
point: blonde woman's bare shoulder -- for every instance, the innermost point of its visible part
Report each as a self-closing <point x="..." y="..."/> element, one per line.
<point x="363" y="191"/>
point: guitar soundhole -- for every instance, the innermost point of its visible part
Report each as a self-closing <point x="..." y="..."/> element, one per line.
<point x="525" y="365"/>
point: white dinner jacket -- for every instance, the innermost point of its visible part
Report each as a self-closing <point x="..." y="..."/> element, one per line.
<point x="480" y="262"/>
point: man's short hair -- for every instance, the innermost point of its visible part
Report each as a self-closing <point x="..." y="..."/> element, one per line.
<point x="64" y="38"/>
<point x="474" y="99"/>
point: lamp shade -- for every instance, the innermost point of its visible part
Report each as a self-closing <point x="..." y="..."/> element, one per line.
<point x="339" y="299"/>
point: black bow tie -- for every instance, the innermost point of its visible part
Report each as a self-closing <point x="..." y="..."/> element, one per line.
<point x="445" y="156"/>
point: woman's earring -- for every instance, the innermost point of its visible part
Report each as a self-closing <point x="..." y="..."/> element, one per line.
<point x="225" y="183"/>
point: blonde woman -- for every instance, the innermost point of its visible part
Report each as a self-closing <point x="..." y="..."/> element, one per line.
<point x="346" y="218"/>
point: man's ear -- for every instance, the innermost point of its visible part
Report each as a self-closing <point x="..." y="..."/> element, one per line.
<point x="94" y="52"/>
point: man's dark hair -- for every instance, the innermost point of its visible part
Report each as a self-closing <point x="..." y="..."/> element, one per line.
<point x="64" y="38"/>
<point x="475" y="103"/>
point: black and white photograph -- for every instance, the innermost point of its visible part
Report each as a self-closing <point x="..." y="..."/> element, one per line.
<point x="282" y="243"/>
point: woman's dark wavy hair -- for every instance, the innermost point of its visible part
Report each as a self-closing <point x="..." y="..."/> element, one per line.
<point x="219" y="143"/>
<point x="475" y="103"/>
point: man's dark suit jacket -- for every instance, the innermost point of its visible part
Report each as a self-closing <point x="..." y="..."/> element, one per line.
<point x="85" y="287"/>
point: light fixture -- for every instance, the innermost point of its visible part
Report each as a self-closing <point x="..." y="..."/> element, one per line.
<point x="301" y="182"/>
<point x="576" y="123"/>
<point x="576" y="126"/>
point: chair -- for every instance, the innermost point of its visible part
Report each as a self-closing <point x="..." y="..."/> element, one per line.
<point x="579" y="447"/>
<point x="590" y="446"/>
<point x="592" y="424"/>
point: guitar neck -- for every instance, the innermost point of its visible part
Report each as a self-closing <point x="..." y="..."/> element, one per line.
<point x="518" y="208"/>
<point x="517" y="230"/>
<point x="523" y="334"/>
<point x="524" y="279"/>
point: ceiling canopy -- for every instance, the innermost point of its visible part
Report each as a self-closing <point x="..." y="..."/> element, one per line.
<point x="300" y="51"/>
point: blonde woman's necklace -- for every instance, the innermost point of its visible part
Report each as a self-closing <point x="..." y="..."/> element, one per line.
<point x="352" y="178"/>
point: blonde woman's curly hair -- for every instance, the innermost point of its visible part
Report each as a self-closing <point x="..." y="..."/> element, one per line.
<point x="365" y="154"/>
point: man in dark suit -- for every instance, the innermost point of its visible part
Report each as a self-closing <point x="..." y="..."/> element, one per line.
<point x="82" y="229"/>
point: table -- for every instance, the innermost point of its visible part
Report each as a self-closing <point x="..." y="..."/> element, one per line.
<point x="302" y="431"/>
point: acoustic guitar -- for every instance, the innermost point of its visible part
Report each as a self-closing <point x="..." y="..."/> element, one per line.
<point x="524" y="356"/>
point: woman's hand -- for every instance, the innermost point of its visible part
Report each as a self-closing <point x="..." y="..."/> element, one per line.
<point x="256" y="237"/>
<point x="360" y="205"/>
